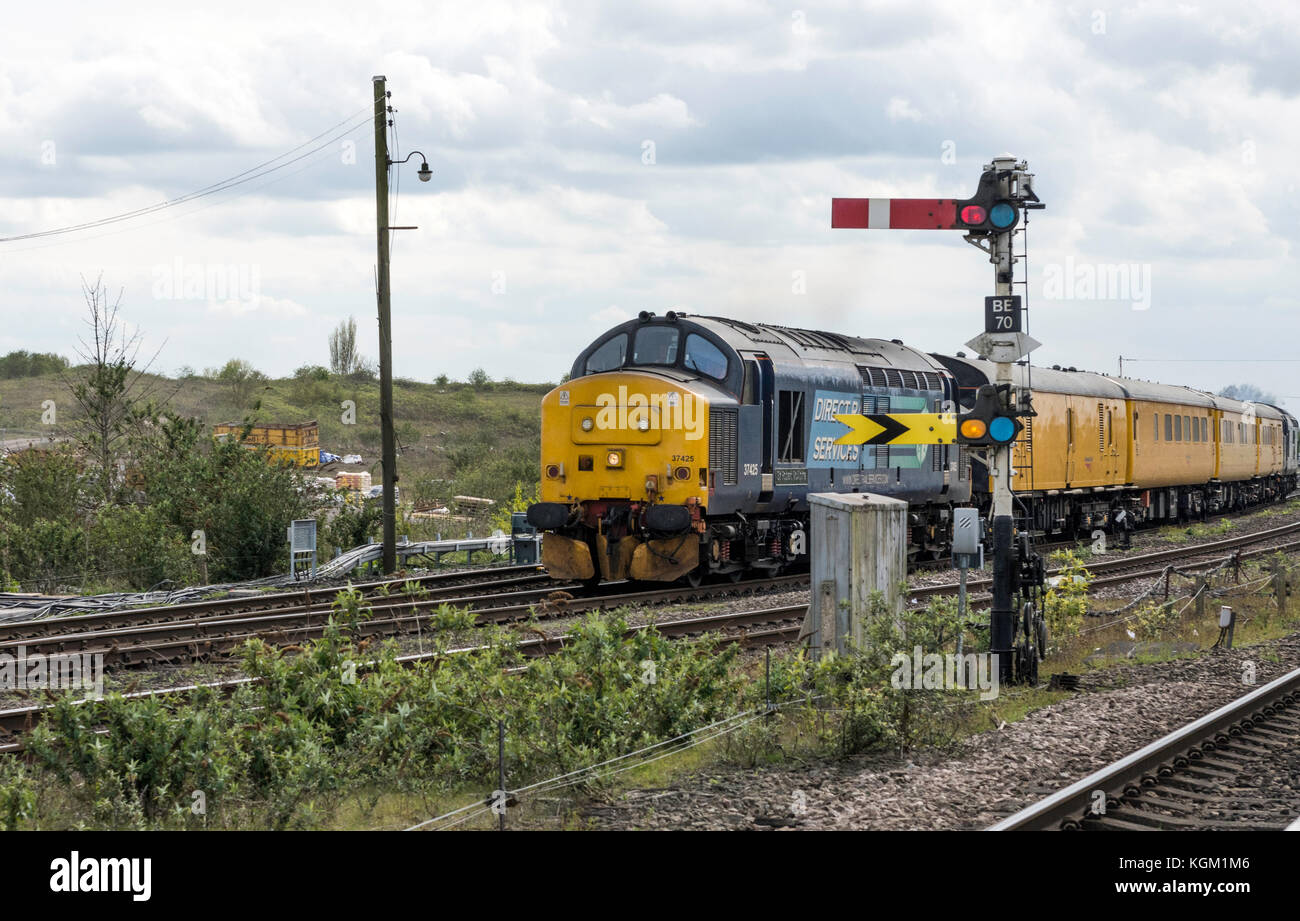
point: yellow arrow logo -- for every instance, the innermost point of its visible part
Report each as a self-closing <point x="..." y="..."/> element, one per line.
<point x="898" y="429"/>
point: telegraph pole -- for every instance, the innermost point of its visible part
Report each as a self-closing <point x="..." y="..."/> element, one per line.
<point x="389" y="448"/>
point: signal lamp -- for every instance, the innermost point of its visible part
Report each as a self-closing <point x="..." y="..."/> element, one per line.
<point x="988" y="424"/>
<point x="1003" y="215"/>
<point x="614" y="459"/>
<point x="588" y="424"/>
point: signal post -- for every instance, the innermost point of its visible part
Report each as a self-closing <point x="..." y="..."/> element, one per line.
<point x="990" y="428"/>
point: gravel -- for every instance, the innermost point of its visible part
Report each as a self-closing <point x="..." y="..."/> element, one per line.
<point x="988" y="776"/>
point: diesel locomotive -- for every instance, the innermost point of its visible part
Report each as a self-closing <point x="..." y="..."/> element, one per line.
<point x="685" y="446"/>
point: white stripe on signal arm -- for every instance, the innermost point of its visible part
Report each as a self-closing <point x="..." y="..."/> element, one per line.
<point x="878" y="214"/>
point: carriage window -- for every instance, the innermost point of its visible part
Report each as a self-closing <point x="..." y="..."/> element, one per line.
<point x="1178" y="428"/>
<point x="1205" y="429"/>
<point x="655" y="345"/>
<point x="1135" y="424"/>
<point x="1155" y="417"/>
<point x="1169" y="427"/>
<point x="790" y="426"/>
<point x="609" y="356"/>
<point x="705" y="357"/>
<point x="1187" y="427"/>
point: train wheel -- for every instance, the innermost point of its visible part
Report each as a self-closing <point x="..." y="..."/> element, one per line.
<point x="736" y="575"/>
<point x="694" y="578"/>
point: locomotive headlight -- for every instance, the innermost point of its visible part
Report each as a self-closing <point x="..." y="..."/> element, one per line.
<point x="614" y="459"/>
<point x="643" y="424"/>
<point x="588" y="424"/>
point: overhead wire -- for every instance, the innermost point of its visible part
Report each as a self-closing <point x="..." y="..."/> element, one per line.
<point x="323" y="154"/>
<point x="248" y="175"/>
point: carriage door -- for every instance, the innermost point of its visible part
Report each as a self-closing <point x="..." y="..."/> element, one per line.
<point x="1069" y="444"/>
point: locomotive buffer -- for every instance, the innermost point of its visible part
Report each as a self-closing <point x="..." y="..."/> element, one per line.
<point x="989" y="220"/>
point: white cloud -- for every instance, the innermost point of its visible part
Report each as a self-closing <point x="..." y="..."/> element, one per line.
<point x="1165" y="141"/>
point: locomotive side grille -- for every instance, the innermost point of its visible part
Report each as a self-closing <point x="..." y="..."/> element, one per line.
<point x="893" y="378"/>
<point x="963" y="461"/>
<point x="872" y="377"/>
<point x="722" y="444"/>
<point x="936" y="460"/>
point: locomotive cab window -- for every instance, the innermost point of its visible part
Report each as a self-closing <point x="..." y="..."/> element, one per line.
<point x="790" y="426"/>
<point x="705" y="357"/>
<point x="655" y="345"/>
<point x="609" y="356"/>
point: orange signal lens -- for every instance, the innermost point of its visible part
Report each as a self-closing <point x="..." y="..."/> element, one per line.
<point x="973" y="428"/>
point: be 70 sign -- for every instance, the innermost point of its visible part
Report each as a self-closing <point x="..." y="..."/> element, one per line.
<point x="1002" y="314"/>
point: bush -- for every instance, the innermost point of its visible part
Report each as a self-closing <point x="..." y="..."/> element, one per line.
<point x="140" y="546"/>
<point x="282" y="751"/>
<point x="31" y="364"/>
<point x="1066" y="603"/>
<point x="241" y="498"/>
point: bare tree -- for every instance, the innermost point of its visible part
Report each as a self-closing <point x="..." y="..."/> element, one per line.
<point x="111" y="393"/>
<point x="343" y="348"/>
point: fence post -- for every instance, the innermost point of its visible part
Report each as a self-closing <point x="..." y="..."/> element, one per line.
<point x="767" y="684"/>
<point x="501" y="773"/>
<point x="1280" y="585"/>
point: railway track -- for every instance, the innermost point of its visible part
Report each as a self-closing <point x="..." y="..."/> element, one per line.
<point x="1235" y="768"/>
<point x="433" y="586"/>
<point x="1130" y="568"/>
<point x="208" y="635"/>
<point x="763" y="627"/>
<point x="203" y="631"/>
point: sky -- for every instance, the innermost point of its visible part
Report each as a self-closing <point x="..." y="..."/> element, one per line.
<point x="591" y="160"/>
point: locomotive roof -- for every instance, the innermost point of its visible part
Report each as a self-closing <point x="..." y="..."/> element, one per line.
<point x="1089" y="383"/>
<point x="804" y="344"/>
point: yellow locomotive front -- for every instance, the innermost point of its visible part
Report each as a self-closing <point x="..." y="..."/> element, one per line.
<point x="625" y="477"/>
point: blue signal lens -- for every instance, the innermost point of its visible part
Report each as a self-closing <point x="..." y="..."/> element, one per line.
<point x="1002" y="429"/>
<point x="1002" y="215"/>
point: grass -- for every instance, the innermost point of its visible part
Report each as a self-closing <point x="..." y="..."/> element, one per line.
<point x="453" y="439"/>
